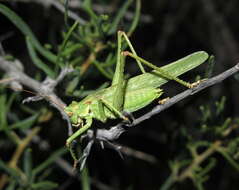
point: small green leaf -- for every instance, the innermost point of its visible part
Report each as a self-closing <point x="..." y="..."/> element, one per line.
<point x="72" y="85"/>
<point x="9" y="171"/>
<point x="66" y="11"/>
<point x="45" y="185"/>
<point x="102" y="70"/>
<point x="3" y="119"/>
<point x="85" y="179"/>
<point x="12" y="185"/>
<point x="26" y="123"/>
<point x="71" y="49"/>
<point x="66" y="39"/>
<point x="220" y="105"/>
<point x="27" y="163"/>
<point x="36" y="60"/>
<point x="77" y="61"/>
<point x="226" y="155"/>
<point x="10" y="101"/>
<point x="68" y="35"/>
<point x="49" y="161"/>
<point x="136" y="18"/>
<point x="119" y="16"/>
<point x="24" y="28"/>
<point x="87" y="6"/>
<point x="210" y="67"/>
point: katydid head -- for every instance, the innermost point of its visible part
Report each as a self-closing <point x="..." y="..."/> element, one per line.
<point x="77" y="111"/>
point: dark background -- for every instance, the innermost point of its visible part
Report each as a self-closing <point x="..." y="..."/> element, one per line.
<point x="168" y="30"/>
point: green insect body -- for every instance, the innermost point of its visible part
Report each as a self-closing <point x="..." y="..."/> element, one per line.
<point x="128" y="95"/>
<point x="140" y="91"/>
<point x="92" y="105"/>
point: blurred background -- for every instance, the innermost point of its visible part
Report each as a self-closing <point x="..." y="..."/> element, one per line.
<point x="158" y="151"/>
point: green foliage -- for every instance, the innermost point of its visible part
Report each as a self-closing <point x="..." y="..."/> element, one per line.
<point x="90" y="48"/>
<point x="212" y="136"/>
<point x="35" y="59"/>
<point x="27" y="177"/>
<point x="24" y="28"/>
<point x="92" y="43"/>
<point x="82" y="45"/>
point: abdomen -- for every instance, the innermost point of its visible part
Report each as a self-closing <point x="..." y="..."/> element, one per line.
<point x="137" y="99"/>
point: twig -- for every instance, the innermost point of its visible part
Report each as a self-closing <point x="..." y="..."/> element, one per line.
<point x="45" y="89"/>
<point x="114" y="133"/>
<point x="205" y="84"/>
<point x="6" y="80"/>
<point x="103" y="135"/>
<point x="188" y="172"/>
<point x="138" y="154"/>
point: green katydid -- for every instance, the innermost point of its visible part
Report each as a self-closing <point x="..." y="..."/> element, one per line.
<point x="128" y="95"/>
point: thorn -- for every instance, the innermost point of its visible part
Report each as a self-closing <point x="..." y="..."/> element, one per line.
<point x="102" y="145"/>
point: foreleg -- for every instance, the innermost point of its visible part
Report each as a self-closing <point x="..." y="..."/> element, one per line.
<point x="79" y="131"/>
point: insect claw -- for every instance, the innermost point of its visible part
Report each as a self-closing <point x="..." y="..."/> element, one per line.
<point x="163" y="101"/>
<point x="129" y="116"/>
<point x="192" y="85"/>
